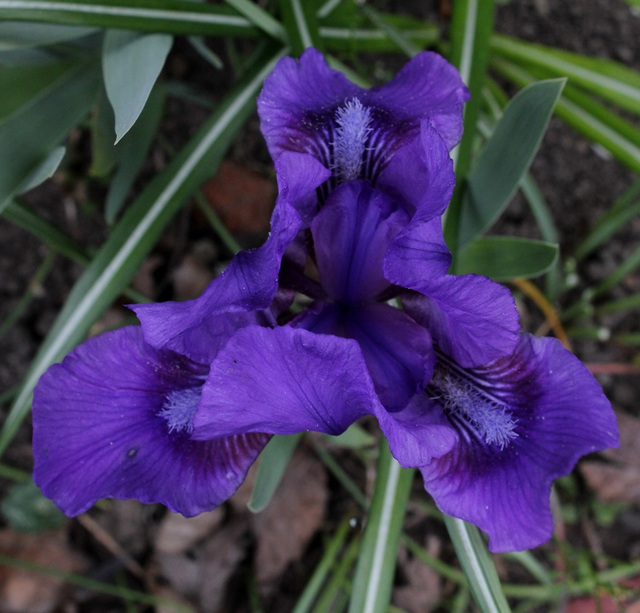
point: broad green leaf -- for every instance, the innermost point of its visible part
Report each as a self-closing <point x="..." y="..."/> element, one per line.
<point x="21" y="83"/>
<point x="31" y="133"/>
<point x="371" y="589"/>
<point x="25" y="509"/>
<point x="135" y="234"/>
<point x="274" y="460"/>
<point x="43" y="171"/>
<point x="169" y="16"/>
<point x="499" y="168"/>
<point x="504" y="258"/>
<point x="131" y="152"/>
<point x="582" y="120"/>
<point x="15" y="35"/>
<point x="131" y="63"/>
<point x="477" y="566"/>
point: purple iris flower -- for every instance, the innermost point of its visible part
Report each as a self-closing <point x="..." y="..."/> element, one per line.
<point x="177" y="410"/>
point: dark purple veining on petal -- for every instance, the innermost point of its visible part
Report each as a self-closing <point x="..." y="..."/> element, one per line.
<point x="353" y="140"/>
<point x="471" y="405"/>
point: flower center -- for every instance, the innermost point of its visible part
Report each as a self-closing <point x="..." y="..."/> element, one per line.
<point x="353" y="126"/>
<point x="179" y="408"/>
<point x="472" y="407"/>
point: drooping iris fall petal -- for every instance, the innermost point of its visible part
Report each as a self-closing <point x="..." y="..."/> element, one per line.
<point x="113" y="420"/>
<point x="522" y="421"/>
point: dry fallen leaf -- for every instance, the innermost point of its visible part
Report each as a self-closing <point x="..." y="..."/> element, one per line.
<point x="423" y="586"/>
<point x="620" y="480"/>
<point x="292" y="517"/>
<point x="197" y="556"/>
<point x="22" y="591"/>
<point x="242" y="198"/>
<point x="178" y="534"/>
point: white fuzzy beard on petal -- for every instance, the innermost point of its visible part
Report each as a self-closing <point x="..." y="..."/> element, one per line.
<point x="354" y="125"/>
<point x="472" y="407"/>
<point x="179" y="408"/>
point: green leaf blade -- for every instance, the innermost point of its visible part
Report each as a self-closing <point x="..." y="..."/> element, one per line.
<point x="30" y="135"/>
<point x="477" y="566"/>
<point x="505" y="159"/>
<point x="131" y="63"/>
<point x="274" y="460"/>
<point x="504" y="258"/>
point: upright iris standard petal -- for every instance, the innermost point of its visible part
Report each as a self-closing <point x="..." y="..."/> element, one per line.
<point x="351" y="236"/>
<point x="284" y="381"/>
<point x="357" y="133"/>
<point x="114" y="420"/>
<point x="522" y="421"/>
<point x="249" y="283"/>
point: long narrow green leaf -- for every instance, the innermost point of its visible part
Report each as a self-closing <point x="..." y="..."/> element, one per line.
<point x="477" y="566"/>
<point x="471" y="29"/>
<point x="18" y="213"/>
<point x="170" y="16"/>
<point x="16" y="35"/>
<point x="607" y="79"/>
<point x="259" y="17"/>
<point x="99" y="587"/>
<point x="507" y="257"/>
<point x="501" y="165"/>
<point x="327" y="562"/>
<point x="626" y="268"/>
<point x="136" y="233"/>
<point x="626" y="208"/>
<point x="364" y="40"/>
<point x="301" y="23"/>
<point x="396" y="35"/>
<point x="371" y="590"/>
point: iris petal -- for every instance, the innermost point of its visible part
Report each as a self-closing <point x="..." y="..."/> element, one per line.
<point x="351" y="236"/>
<point x="397" y="351"/>
<point x="284" y="381"/>
<point x="101" y="429"/>
<point x="249" y="282"/>
<point x="472" y="318"/>
<point x="559" y="413"/>
<point x="357" y="133"/>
